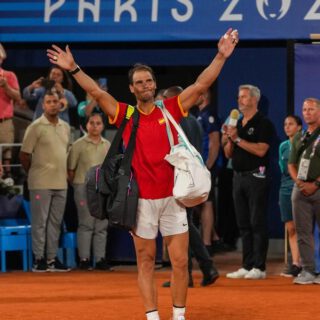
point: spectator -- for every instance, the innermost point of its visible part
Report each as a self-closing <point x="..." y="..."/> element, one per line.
<point x="304" y="169"/>
<point x="43" y="155"/>
<point x="193" y="130"/>
<point x="85" y="153"/>
<point x="9" y="93"/>
<point x="159" y="95"/>
<point x="57" y="80"/>
<point x="248" y="144"/>
<point x="210" y="124"/>
<point x="89" y="106"/>
<point x="292" y="125"/>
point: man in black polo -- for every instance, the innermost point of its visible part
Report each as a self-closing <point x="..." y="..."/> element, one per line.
<point x="304" y="168"/>
<point x="247" y="143"/>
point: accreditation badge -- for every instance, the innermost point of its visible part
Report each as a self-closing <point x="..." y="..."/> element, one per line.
<point x="303" y="169"/>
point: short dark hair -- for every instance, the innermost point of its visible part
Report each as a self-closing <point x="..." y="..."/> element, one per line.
<point x="297" y="119"/>
<point x="172" y="91"/>
<point x="50" y="93"/>
<point x="140" y="67"/>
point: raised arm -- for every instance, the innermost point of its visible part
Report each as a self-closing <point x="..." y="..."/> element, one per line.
<point x="65" y="60"/>
<point x="192" y="93"/>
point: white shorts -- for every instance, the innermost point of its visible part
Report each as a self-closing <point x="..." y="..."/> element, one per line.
<point x="166" y="215"/>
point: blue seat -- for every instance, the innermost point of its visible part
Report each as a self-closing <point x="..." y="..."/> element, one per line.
<point x="67" y="250"/>
<point x="67" y="244"/>
<point x="14" y="237"/>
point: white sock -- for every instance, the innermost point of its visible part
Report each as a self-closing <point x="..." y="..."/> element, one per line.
<point x="178" y="313"/>
<point x="153" y="315"/>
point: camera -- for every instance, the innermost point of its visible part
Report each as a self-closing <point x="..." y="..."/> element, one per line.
<point x="47" y="84"/>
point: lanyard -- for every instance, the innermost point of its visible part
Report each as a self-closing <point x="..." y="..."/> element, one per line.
<point x="315" y="146"/>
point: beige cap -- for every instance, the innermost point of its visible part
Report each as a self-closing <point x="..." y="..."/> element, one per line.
<point x="3" y="54"/>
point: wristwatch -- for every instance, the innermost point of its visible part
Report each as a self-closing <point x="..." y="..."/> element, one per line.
<point x="317" y="183"/>
<point x="237" y="141"/>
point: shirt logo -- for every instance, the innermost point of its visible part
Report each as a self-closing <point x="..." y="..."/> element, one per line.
<point x="161" y="121"/>
<point x="250" y="131"/>
<point x="211" y="119"/>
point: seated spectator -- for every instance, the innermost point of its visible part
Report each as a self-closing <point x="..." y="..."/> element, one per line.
<point x="85" y="153"/>
<point x="57" y="80"/>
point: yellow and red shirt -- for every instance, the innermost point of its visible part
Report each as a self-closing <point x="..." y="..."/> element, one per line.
<point x="153" y="173"/>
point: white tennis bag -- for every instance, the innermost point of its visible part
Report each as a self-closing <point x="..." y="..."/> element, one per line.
<point x="192" y="179"/>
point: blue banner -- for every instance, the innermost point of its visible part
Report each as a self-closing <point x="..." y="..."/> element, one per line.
<point x="155" y="20"/>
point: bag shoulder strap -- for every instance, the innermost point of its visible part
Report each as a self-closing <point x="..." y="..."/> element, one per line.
<point x="116" y="142"/>
<point x="125" y="167"/>
<point x="182" y="136"/>
<point x="160" y="105"/>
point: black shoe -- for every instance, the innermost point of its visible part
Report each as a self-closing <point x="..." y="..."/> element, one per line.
<point x="85" y="265"/>
<point x="40" y="265"/>
<point x="56" y="266"/>
<point x="166" y="264"/>
<point x="209" y="278"/>
<point x="103" y="265"/>
<point x="295" y="270"/>
<point x="218" y="246"/>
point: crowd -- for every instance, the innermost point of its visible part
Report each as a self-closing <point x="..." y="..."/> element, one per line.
<point x="235" y="151"/>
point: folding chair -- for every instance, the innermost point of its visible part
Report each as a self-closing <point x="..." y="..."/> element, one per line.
<point x="14" y="237"/>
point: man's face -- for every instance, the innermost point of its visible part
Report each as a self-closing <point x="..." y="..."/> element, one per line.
<point x="245" y="101"/>
<point x="95" y="125"/>
<point x="51" y="105"/>
<point x="143" y="86"/>
<point x="310" y="112"/>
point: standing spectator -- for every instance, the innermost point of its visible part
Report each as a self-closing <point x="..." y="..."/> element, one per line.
<point x="248" y="144"/>
<point x="159" y="95"/>
<point x="304" y="168"/>
<point x="90" y="106"/>
<point x="157" y="208"/>
<point x="85" y="153"/>
<point x="292" y="125"/>
<point x="210" y="124"/>
<point x="57" y="80"/>
<point x="44" y="157"/>
<point x="9" y="93"/>
<point x="193" y="131"/>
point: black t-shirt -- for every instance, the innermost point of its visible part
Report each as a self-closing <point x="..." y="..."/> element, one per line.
<point x="257" y="129"/>
<point x="193" y="131"/>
